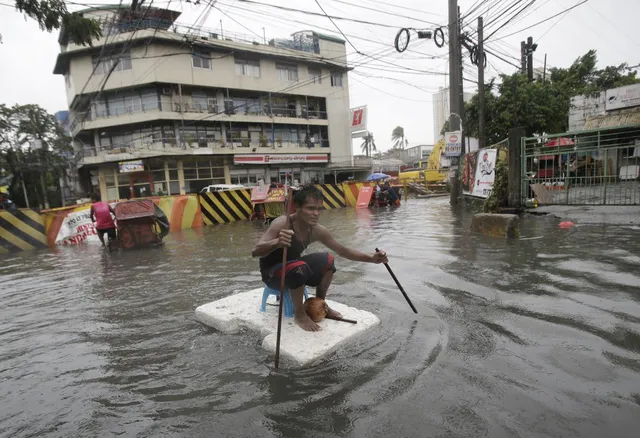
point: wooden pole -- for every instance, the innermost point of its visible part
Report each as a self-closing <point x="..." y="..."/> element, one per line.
<point x="288" y="196"/>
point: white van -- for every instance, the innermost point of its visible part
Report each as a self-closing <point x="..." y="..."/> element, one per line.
<point x="221" y="188"/>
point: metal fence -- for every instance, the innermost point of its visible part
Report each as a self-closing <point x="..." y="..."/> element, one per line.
<point x="600" y="167"/>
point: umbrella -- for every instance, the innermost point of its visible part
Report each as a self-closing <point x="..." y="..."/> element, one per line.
<point x="560" y="141"/>
<point x="377" y="176"/>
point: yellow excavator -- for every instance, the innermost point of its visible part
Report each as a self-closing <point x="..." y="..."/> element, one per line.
<point x="429" y="171"/>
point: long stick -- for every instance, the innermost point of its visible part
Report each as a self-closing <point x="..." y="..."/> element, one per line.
<point x="341" y="319"/>
<point x="400" y="287"/>
<point x="287" y="206"/>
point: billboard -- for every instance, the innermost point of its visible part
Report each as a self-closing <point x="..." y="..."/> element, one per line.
<point x="453" y="144"/>
<point x="622" y="97"/>
<point x="359" y="120"/>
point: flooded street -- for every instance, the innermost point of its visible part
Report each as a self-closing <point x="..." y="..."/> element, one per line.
<point x="534" y="337"/>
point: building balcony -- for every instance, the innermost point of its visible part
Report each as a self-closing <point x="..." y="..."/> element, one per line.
<point x="86" y="121"/>
<point x="148" y="148"/>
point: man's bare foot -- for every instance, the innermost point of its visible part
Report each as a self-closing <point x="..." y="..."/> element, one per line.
<point x="306" y="323"/>
<point x="333" y="314"/>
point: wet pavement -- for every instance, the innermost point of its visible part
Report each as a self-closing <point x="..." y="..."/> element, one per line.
<point x="538" y="336"/>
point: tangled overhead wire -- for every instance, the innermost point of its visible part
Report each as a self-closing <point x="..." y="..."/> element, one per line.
<point x="404" y="35"/>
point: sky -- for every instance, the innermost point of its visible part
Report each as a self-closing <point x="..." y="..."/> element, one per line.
<point x="396" y="87"/>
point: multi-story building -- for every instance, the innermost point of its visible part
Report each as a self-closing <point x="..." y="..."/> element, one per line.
<point x="442" y="110"/>
<point x="160" y="107"/>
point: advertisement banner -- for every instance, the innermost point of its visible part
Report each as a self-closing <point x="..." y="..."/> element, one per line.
<point x="485" y="173"/>
<point x="469" y="172"/>
<point x="131" y="166"/>
<point x="453" y="144"/>
<point x="77" y="228"/>
<point x="280" y="158"/>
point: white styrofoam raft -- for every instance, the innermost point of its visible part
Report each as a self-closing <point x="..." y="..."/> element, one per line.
<point x="242" y="310"/>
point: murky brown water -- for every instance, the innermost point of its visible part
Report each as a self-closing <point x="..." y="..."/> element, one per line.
<point x="536" y="337"/>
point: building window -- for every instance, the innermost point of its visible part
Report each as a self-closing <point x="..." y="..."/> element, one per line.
<point x="201" y="60"/>
<point x="315" y="75"/>
<point x="287" y="72"/>
<point x="203" y="172"/>
<point x="246" y="67"/>
<point x="104" y="65"/>
<point x="336" y="79"/>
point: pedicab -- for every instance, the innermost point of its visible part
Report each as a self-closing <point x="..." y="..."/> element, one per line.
<point x="140" y="223"/>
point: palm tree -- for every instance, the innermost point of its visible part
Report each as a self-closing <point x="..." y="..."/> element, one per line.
<point x="397" y="136"/>
<point x="369" y="144"/>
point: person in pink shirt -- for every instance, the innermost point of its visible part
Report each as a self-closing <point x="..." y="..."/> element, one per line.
<point x="101" y="214"/>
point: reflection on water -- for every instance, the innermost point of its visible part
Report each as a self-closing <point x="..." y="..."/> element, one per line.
<point x="534" y="337"/>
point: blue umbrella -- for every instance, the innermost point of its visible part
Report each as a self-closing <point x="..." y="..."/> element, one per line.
<point x="377" y="176"/>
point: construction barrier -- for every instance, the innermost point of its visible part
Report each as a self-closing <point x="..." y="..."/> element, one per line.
<point x="351" y="191"/>
<point x="183" y="211"/>
<point x="21" y="230"/>
<point x="333" y="196"/>
<point x="225" y="207"/>
<point x="72" y="225"/>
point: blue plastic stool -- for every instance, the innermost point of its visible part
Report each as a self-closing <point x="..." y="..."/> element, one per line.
<point x="287" y="305"/>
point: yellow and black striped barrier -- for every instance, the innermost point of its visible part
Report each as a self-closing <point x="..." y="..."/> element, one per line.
<point x="225" y="207"/>
<point x="333" y="196"/>
<point x="21" y="230"/>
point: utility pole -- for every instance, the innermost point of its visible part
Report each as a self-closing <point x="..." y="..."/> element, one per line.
<point x="530" y="50"/>
<point x="454" y="87"/>
<point x="480" y="60"/>
<point x="523" y="57"/>
<point x="544" y="72"/>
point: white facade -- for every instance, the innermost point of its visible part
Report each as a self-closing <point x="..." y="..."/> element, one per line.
<point x="185" y="102"/>
<point x="442" y="110"/>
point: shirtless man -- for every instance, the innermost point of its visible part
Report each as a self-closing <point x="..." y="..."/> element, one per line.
<point x="314" y="269"/>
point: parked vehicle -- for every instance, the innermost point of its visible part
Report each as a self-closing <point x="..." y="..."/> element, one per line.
<point x="221" y="188"/>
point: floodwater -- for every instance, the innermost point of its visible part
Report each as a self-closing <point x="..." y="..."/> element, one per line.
<point x="534" y="337"/>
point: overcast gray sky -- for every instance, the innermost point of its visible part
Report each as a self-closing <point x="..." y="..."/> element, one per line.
<point x="390" y="83"/>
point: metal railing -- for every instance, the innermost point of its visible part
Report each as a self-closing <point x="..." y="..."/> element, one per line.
<point x="599" y="167"/>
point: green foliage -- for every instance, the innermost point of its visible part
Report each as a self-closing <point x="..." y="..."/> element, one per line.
<point x="20" y="127"/>
<point x="368" y="145"/>
<point x="53" y="14"/>
<point x="541" y="107"/>
<point x="499" y="197"/>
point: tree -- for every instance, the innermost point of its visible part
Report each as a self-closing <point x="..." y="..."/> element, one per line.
<point x="33" y="147"/>
<point x="397" y="136"/>
<point x="369" y="144"/>
<point x="53" y="14"/>
<point x="541" y="107"/>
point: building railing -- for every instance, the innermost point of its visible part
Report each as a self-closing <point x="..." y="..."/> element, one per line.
<point x="187" y="107"/>
<point x="176" y="145"/>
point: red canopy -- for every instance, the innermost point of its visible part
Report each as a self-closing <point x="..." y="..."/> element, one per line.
<point x="560" y="141"/>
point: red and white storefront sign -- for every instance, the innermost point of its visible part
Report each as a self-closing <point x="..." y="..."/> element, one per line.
<point x="280" y="158"/>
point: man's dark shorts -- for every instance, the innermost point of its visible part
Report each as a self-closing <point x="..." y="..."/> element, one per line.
<point x="308" y="271"/>
<point x="111" y="232"/>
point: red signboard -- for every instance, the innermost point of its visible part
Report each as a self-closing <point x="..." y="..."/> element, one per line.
<point x="280" y="158"/>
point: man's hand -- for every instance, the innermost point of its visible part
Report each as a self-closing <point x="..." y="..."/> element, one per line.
<point x="284" y="238"/>
<point x="380" y="257"/>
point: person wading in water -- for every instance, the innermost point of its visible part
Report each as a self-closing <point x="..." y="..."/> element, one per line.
<point x="101" y="215"/>
<point x="314" y="269"/>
